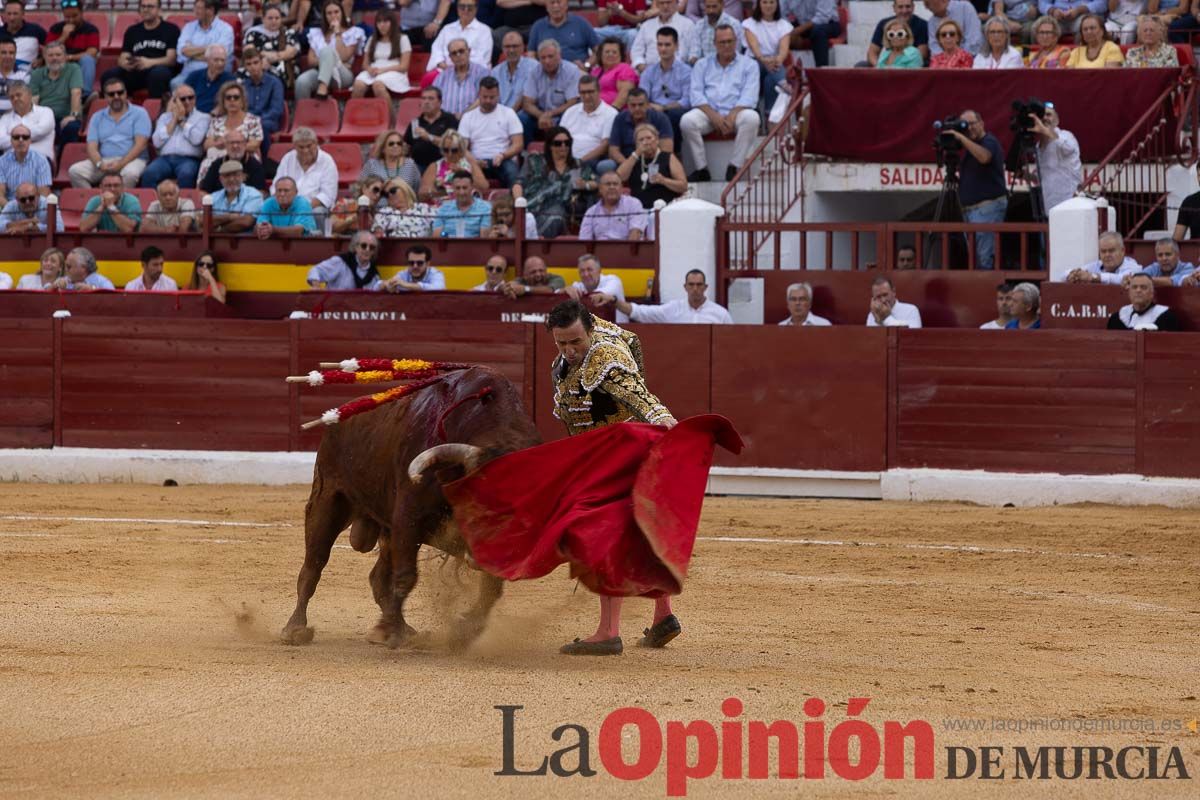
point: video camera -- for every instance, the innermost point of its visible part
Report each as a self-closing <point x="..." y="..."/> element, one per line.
<point x="1020" y="123"/>
<point x="946" y="141"/>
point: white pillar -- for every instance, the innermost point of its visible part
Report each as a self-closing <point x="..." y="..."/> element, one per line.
<point x="687" y="240"/>
<point x="1074" y="235"/>
<point x="747" y="301"/>
<point x="1181" y="182"/>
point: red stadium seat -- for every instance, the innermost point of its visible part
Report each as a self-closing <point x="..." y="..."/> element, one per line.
<point x="144" y="196"/>
<point x="320" y="115"/>
<point x="407" y="110"/>
<point x="75" y="151"/>
<point x="285" y="122"/>
<point x="348" y="156"/>
<point x="71" y="203"/>
<point x="195" y="195"/>
<point x="278" y="150"/>
<point x="363" y="119"/>
<point x="123" y="23"/>
<point x="418" y="63"/>
<point x="94" y="106"/>
<point x="104" y="63"/>
<point x="153" y="107"/>
<point x="43" y="18"/>
<point x="100" y="20"/>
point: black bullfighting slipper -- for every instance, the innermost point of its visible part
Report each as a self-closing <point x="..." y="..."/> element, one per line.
<point x="662" y="632"/>
<point x="608" y="647"/>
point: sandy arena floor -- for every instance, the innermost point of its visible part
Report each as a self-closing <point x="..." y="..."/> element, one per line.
<point x="139" y="657"/>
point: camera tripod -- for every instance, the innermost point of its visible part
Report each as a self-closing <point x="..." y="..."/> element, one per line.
<point x="948" y="208"/>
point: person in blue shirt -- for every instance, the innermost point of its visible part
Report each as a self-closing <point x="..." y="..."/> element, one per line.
<point x="1167" y="269"/>
<point x="264" y="94"/>
<point x="420" y="276"/>
<point x="466" y="215"/>
<point x="285" y="213"/>
<point x="117" y="137"/>
<point x="724" y="97"/>
<point x="575" y="36"/>
<point x="208" y="82"/>
<point x="206" y="29"/>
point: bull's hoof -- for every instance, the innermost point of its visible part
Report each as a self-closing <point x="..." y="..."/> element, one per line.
<point x="391" y="635"/>
<point x="297" y="635"/>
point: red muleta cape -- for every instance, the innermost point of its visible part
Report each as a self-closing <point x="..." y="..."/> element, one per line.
<point x="620" y="504"/>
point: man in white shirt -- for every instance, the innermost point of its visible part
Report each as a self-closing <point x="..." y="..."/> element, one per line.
<point x="493" y="271"/>
<point x="313" y="170"/>
<point x="590" y="122"/>
<point x="1111" y="268"/>
<point x="179" y="139"/>
<point x="697" y="309"/>
<point x="494" y="133"/>
<point x="593" y="282"/>
<point x="152" y="278"/>
<point x="1003" y="309"/>
<point x="645" y="46"/>
<point x="888" y="312"/>
<point x="477" y="35"/>
<point x="799" y="303"/>
<point x="39" y="121"/>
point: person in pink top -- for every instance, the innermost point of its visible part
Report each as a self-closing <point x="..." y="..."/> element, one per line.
<point x="616" y="76"/>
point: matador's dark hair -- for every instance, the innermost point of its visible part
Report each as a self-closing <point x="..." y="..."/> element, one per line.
<point x="565" y="314"/>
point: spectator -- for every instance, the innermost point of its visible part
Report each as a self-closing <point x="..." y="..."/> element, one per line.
<point x="900" y="53"/>
<point x="557" y="187"/>
<point x="459" y="84"/>
<point x="886" y="311"/>
<point x="169" y="213"/>
<point x="420" y="20"/>
<point x="82" y="272"/>
<point x="179" y="138"/>
<point x="353" y="269"/>
<point x="403" y="217"/>
<point x="1122" y="22"/>
<point x="264" y="97"/>
<point x="535" y="279"/>
<point x="388" y="54"/>
<point x="551" y="91"/>
<point x="276" y="43"/>
<point x="668" y="81"/>
<point x="310" y="13"/>
<point x="38" y="121"/>
<point x="1142" y="313"/>
<point x="25" y="213"/>
<point x="197" y="36"/>
<point x="80" y="37"/>
<point x="1050" y="53"/>
<point x="1152" y="50"/>
<point x="616" y="77"/>
<point x="466" y="216"/>
<point x="113" y="210"/>
<point x="1096" y="51"/>
<point x="345" y="210"/>
<point x="22" y="164"/>
<point x="389" y="159"/>
<point x="1111" y="268"/>
<point x="799" y="303"/>
<point x="148" y="53"/>
<point x="997" y="52"/>
<point x="970" y="37"/>
<point x="10" y="74"/>
<point x="424" y="135"/>
<point x="1183" y="26"/>
<point x="436" y="183"/>
<point x="514" y="71"/>
<point x="519" y="16"/>
<point x="1187" y="223"/>
<point x="694" y="9"/>
<point x="27" y="36"/>
<point x="1025" y="299"/>
<point x="621" y="142"/>
<point x="493" y="271"/>
<point x="949" y="35"/>
<point x="816" y="23"/>
<point x="235" y="208"/>
<point x="313" y="170"/>
<point x="652" y="173"/>
<point x="152" y="278"/>
<point x="615" y="216"/>
<point x="918" y="31"/>
<point x="46" y="278"/>
<point x="706" y="27"/>
<point x="204" y="277"/>
<point x="668" y="16"/>
<point x="724" y="95"/>
<point x="1167" y="270"/>
<point x="210" y="83"/>
<point x="592" y="281"/>
<point x="1058" y="157"/>
<point x="331" y="49"/>
<point x="575" y="36"/>
<point x="1018" y="17"/>
<point x="504" y="220"/>
<point x="696" y="309"/>
<point x="1070" y="14"/>
<point x="906" y="257"/>
<point x="620" y="19"/>
<point x="590" y="122"/>
<point x="285" y="213"/>
<point x="232" y="114"/>
<point x="235" y="150"/>
<point x="468" y="28"/>
<point x="981" y="188"/>
<point x="59" y="87"/>
<point x="421" y="275"/>
<point x="494" y="134"/>
<point x="1003" y="309"/>
<point x="766" y="36"/>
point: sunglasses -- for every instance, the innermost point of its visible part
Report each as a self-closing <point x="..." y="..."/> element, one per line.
<point x="28" y="199"/>
<point x="458" y="52"/>
<point x="412" y="262"/>
<point x="233" y="97"/>
<point x="494" y="269"/>
<point x="117" y="93"/>
<point x="561" y="143"/>
<point x="897" y="35"/>
<point x="393" y="190"/>
<point x="188" y="98"/>
<point x="366" y="246"/>
<point x="20" y="137"/>
<point x="948" y="35"/>
<point x="395" y="143"/>
<point x="206" y="264"/>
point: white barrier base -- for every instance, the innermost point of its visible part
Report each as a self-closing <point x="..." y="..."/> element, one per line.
<point x="85" y="465"/>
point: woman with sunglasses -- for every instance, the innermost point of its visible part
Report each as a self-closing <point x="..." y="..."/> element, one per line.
<point x="44" y="279"/>
<point x="388" y="54"/>
<point x="403" y="217"/>
<point x="1096" y="52"/>
<point x="950" y="37"/>
<point x="231" y="113"/>
<point x="435" y="183"/>
<point x="389" y="159"/>
<point x="558" y="188"/>
<point x="997" y="52"/>
<point x="332" y="48"/>
<point x="204" y="277"/>
<point x="276" y="42"/>
<point x="900" y="52"/>
<point x="767" y="38"/>
<point x="504" y="220"/>
<point x="345" y="210"/>
<point x="1048" y="53"/>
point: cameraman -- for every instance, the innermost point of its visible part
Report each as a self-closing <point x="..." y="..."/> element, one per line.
<point x="981" y="189"/>
<point x="1058" y="153"/>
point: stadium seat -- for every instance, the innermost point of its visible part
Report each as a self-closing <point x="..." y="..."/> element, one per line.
<point x="75" y="151"/>
<point x="195" y="195"/>
<point x="123" y="23"/>
<point x="95" y="105"/>
<point x="235" y="22"/>
<point x="418" y="63"/>
<point x="144" y="196"/>
<point x="494" y="193"/>
<point x="278" y="150"/>
<point x="101" y="23"/>
<point x="43" y="18"/>
<point x="348" y="156"/>
<point x="363" y="119"/>
<point x="71" y="203"/>
<point x="407" y="110"/>
<point x="153" y="107"/>
<point x="320" y="115"/>
<point x="104" y="63"/>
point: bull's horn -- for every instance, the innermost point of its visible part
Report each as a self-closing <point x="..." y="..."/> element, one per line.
<point x="468" y="455"/>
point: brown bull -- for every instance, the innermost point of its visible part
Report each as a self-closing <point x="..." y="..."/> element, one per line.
<point x="362" y="476"/>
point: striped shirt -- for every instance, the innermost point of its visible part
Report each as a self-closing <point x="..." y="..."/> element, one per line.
<point x="34" y="169"/>
<point x="458" y="95"/>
